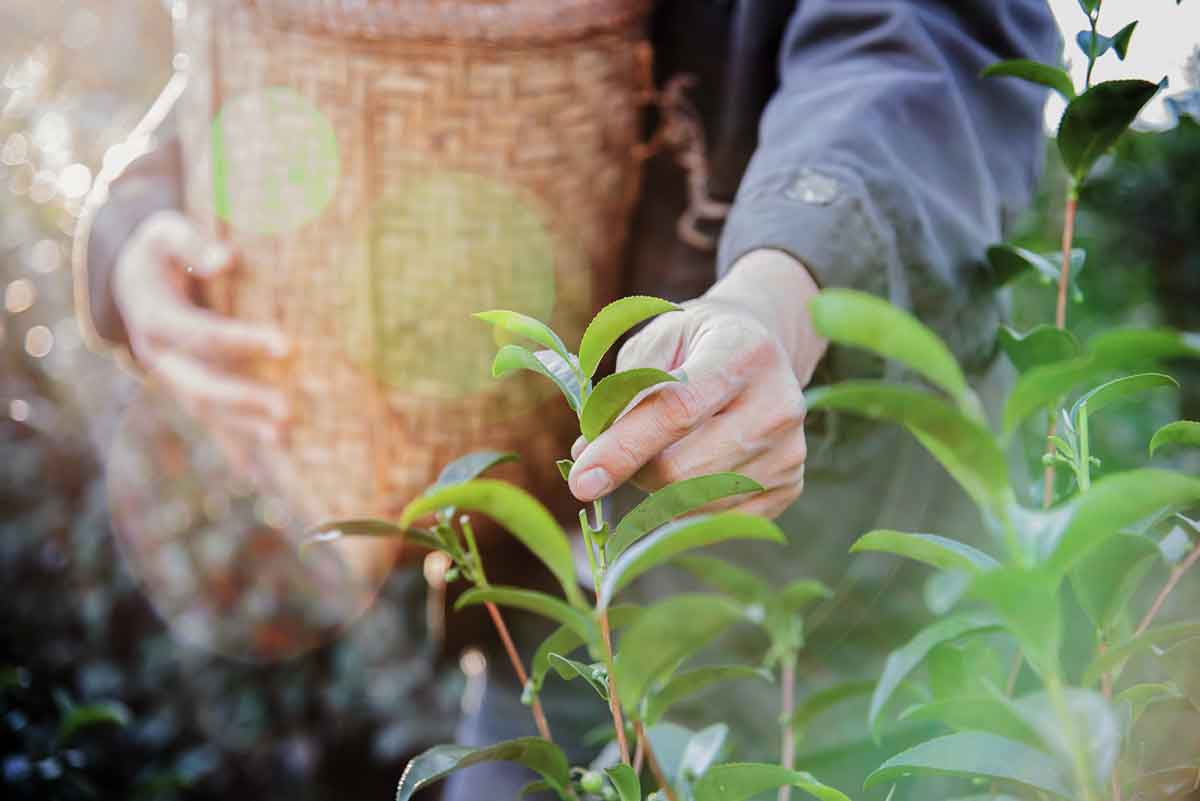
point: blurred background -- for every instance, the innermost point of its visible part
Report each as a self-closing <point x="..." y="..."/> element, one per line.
<point x="182" y="709"/>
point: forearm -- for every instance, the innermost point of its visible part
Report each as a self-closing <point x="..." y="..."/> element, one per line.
<point x="775" y="288"/>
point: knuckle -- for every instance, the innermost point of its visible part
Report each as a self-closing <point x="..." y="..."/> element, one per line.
<point x="680" y="409"/>
<point x="626" y="458"/>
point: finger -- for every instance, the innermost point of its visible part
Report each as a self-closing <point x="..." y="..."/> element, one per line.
<point x="172" y="322"/>
<point x="171" y="237"/>
<point x="207" y="392"/>
<point x="663" y="418"/>
<point x="773" y="503"/>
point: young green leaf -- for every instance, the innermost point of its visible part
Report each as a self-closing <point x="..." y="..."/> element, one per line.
<point x="1094" y="720"/>
<point x="612" y="395"/>
<point x="965" y="448"/>
<point x="1027" y="600"/>
<point x="525" y="326"/>
<point x="977" y="755"/>
<point x="564" y="467"/>
<point x="669" y="742"/>
<point x="540" y="756"/>
<point x="625" y="781"/>
<point x="595" y="674"/>
<point x="849" y="317"/>
<point x="944" y="589"/>
<point x="675" y="538"/>
<point x="703" y="749"/>
<point x="1120" y="389"/>
<point x="1112" y="503"/>
<point x="663" y="636"/>
<point x="85" y="716"/>
<point x="827" y="698"/>
<point x="1181" y="432"/>
<point x="612" y="322"/>
<point x="518" y="512"/>
<point x="995" y="714"/>
<point x="1095" y="120"/>
<point x="1042" y="344"/>
<point x="689" y="682"/>
<point x="1009" y="262"/>
<point x="730" y="579"/>
<point x="1107" y="576"/>
<point x="931" y="549"/>
<point x="473" y="465"/>
<point x="798" y="595"/>
<point x="340" y="529"/>
<point x="1120" y="40"/>
<point x="1093" y="45"/>
<point x="738" y="781"/>
<point x="1140" y="696"/>
<point x="531" y="601"/>
<point x="1151" y="638"/>
<point x="903" y="661"/>
<point x="565" y="639"/>
<point x="544" y="362"/>
<point x="1055" y="78"/>
<point x="674" y="500"/>
<point x="1180" y="662"/>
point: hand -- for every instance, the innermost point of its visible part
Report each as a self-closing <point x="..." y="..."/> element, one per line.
<point x="744" y="349"/>
<point x="193" y="352"/>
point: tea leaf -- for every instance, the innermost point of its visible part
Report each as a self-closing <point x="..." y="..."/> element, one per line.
<point x="1055" y="78"/>
<point x="626" y="782"/>
<point x="612" y="395"/>
<point x="682" y="535"/>
<point x="612" y="322"/>
<point x="965" y="448"/>
<point x="566" y="639"/>
<point x="931" y="549"/>
<point x="856" y="318"/>
<point x="904" y="660"/>
<point x="525" y="326"/>
<point x="1112" y="503"/>
<point x="1009" y="262"/>
<point x="518" y="512"/>
<point x="663" y="636"/>
<point x="1107" y="576"/>
<point x="1115" y="656"/>
<point x="738" y="781"/>
<point x="85" y="716"/>
<point x="674" y="500"/>
<point x="799" y="594"/>
<point x="977" y="755"/>
<point x="826" y="698"/>
<point x="544" y="362"/>
<point x="1180" y="662"/>
<point x="728" y="578"/>
<point x="1140" y="696"/>
<point x="1181" y="432"/>
<point x="564" y="467"/>
<point x="531" y="601"/>
<point x="1118" y="390"/>
<point x="538" y="786"/>
<point x="595" y="675"/>
<point x="689" y="682"/>
<point x="340" y="529"/>
<point x="1095" y="120"/>
<point x="1085" y="41"/>
<point x="702" y="750"/>
<point x="1120" y="40"/>
<point x="1027" y="600"/>
<point x="437" y="763"/>
<point x="1042" y="344"/>
<point x="994" y="714"/>
<point x="1093" y="718"/>
<point x="669" y="742"/>
<point x="470" y="466"/>
<point x="944" y="589"/>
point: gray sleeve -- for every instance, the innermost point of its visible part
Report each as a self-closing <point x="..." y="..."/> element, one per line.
<point x="885" y="163"/>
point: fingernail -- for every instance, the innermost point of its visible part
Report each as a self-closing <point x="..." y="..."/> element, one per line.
<point x="280" y="346"/>
<point x="578" y="447"/>
<point x="215" y="257"/>
<point x="593" y="483"/>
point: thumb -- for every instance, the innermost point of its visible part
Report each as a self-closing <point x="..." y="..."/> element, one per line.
<point x="215" y="258"/>
<point x="661" y="345"/>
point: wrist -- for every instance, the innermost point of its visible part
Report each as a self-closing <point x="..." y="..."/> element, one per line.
<point x="775" y="288"/>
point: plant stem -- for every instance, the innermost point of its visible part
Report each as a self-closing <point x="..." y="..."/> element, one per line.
<point x="614" y="702"/>
<point x="639" y="753"/>
<point x="1083" y="469"/>
<point x="655" y="767"/>
<point x="539" y="715"/>
<point x="1060" y="321"/>
<point x="1093" y="18"/>
<point x="787" y="747"/>
<point x="1080" y="762"/>
<point x="1172" y="580"/>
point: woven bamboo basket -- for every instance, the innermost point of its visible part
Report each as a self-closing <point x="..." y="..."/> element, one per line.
<point x="387" y="167"/>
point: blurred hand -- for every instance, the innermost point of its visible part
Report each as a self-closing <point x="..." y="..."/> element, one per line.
<point x="745" y="350"/>
<point x="192" y="352"/>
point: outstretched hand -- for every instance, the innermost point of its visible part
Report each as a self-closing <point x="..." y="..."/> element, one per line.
<point x="744" y="352"/>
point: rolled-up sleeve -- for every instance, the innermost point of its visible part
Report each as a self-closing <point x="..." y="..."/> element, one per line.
<point x="886" y="163"/>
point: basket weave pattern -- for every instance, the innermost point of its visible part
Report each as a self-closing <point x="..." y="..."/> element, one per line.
<point x="475" y="157"/>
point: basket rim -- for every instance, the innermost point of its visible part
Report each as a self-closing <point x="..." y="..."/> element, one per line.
<point x="488" y="21"/>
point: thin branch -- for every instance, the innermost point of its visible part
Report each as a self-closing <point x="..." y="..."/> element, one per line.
<point x="788" y="703"/>
<point x="539" y="715"/>
<point x="614" y="703"/>
<point x="1060" y="321"/>
<point x="1172" y="580"/>
<point x="655" y="767"/>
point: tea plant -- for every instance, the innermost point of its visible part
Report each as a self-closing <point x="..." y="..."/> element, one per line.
<point x="1072" y="736"/>
<point x="641" y="673"/>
